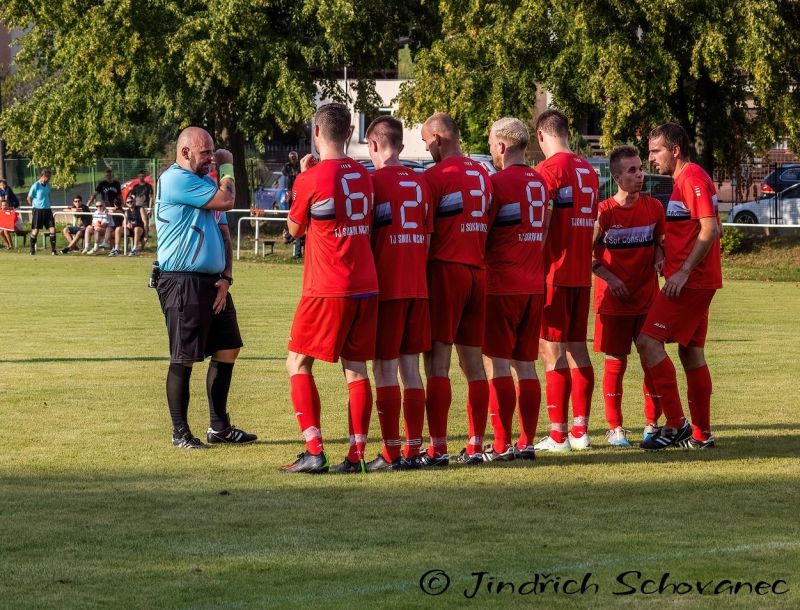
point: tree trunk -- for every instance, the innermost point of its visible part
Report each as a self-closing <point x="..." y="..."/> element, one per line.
<point x="228" y="136"/>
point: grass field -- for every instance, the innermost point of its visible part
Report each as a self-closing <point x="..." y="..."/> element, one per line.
<point x="99" y="510"/>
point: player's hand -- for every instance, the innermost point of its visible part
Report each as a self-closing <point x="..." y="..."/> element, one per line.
<point x="617" y="287"/>
<point x="308" y="162"/>
<point x="222" y="156"/>
<point x="220" y="301"/>
<point x="673" y="286"/>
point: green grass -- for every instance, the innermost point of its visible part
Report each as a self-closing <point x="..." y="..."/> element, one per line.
<point x="99" y="510"/>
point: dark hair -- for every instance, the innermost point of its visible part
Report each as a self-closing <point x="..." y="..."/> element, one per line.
<point x="674" y="135"/>
<point x="334" y="122"/>
<point x="387" y="130"/>
<point x="554" y="123"/>
<point x="44" y="171"/>
<point x="617" y="155"/>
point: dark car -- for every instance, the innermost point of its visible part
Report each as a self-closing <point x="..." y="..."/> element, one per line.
<point x="657" y="186"/>
<point x="781" y="178"/>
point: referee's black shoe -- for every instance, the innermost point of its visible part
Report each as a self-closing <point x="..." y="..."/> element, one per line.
<point x="230" y="435"/>
<point x="184" y="439"/>
<point x="309" y="463"/>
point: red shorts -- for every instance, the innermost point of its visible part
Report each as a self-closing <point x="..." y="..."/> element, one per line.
<point x="682" y="320"/>
<point x="565" y="316"/>
<point x="614" y="334"/>
<point x="404" y="327"/>
<point x="329" y="327"/>
<point x="458" y="303"/>
<point x="512" y="326"/>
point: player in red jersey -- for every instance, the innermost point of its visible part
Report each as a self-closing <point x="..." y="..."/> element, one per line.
<point x="679" y="313"/>
<point x="461" y="196"/>
<point x="332" y="204"/>
<point x="628" y="239"/>
<point x="515" y="287"/>
<point x="400" y="245"/>
<point x="573" y="187"/>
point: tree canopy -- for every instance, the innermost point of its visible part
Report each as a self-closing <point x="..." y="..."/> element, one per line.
<point x="92" y="73"/>
<point x="727" y="70"/>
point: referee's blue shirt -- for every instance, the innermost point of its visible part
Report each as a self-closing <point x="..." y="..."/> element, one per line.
<point x="40" y="195"/>
<point x="188" y="236"/>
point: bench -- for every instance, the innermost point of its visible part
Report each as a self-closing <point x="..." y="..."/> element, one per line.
<point x="24" y="235"/>
<point x="264" y="244"/>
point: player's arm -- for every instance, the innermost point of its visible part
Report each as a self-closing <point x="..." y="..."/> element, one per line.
<point x="615" y="285"/>
<point x="222" y="284"/>
<point x="297" y="220"/>
<point x="709" y="232"/>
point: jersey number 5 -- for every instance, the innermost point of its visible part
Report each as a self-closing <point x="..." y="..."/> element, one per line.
<point x="586" y="190"/>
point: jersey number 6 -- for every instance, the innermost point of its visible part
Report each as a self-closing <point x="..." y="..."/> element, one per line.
<point x="352" y="199"/>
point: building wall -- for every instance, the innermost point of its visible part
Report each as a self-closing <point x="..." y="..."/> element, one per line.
<point x="387" y="90"/>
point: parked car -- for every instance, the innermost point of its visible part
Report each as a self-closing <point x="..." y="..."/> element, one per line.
<point x="274" y="196"/>
<point x="781" y="178"/>
<point x="781" y="208"/>
<point x="657" y="186"/>
<point x="417" y="167"/>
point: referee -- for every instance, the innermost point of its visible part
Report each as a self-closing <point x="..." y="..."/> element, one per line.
<point x="195" y="257"/>
<point x="42" y="217"/>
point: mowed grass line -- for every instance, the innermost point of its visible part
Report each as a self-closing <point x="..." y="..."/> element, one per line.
<point x="99" y="510"/>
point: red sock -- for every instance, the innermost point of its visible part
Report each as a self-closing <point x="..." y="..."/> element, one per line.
<point x="477" y="413"/>
<point x="414" y="416"/>
<point x="359" y="411"/>
<point x="557" y="391"/>
<point x="699" y="392"/>
<point x="437" y="405"/>
<point x="307" y="411"/>
<point x="502" y="400"/>
<point x="652" y="406"/>
<point x="665" y="382"/>
<point x="582" y="388"/>
<point x="613" y="373"/>
<point x="529" y="398"/>
<point x="387" y="403"/>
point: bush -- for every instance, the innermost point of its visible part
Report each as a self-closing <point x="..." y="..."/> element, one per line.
<point x="732" y="241"/>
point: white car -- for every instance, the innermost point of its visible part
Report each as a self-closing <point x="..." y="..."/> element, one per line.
<point x="781" y="209"/>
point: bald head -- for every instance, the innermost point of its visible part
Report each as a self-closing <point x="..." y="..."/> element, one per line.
<point x="195" y="150"/>
<point x="440" y="134"/>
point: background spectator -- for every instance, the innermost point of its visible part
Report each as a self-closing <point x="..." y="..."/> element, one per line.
<point x="135" y="221"/>
<point x="74" y="233"/>
<point x="143" y="194"/>
<point x="291" y="169"/>
<point x="5" y="191"/>
<point x="101" y="226"/>
<point x="9" y="221"/>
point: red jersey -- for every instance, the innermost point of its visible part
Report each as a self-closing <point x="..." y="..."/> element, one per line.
<point x="461" y="195"/>
<point x="514" y="256"/>
<point x="573" y="186"/>
<point x="628" y="239"/>
<point x="400" y="232"/>
<point x="334" y="200"/>
<point x="8" y="219"/>
<point x="693" y="197"/>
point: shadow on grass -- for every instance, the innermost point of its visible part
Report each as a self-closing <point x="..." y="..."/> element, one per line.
<point x="116" y="359"/>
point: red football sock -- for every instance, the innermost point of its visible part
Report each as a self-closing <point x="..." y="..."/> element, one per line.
<point x="699" y="392"/>
<point x="414" y="416"/>
<point x="477" y="413"/>
<point x="652" y="406"/>
<point x="582" y="388"/>
<point x="529" y="397"/>
<point x="359" y="411"/>
<point x="665" y="382"/>
<point x="437" y="405"/>
<point x="502" y="400"/>
<point x="388" y="405"/>
<point x="613" y="373"/>
<point x="557" y="392"/>
<point x="303" y="391"/>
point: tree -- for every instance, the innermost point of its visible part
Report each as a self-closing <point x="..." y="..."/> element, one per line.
<point x="97" y="72"/>
<point x="727" y="70"/>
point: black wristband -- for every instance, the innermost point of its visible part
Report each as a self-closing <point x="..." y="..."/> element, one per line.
<point x="227" y="278"/>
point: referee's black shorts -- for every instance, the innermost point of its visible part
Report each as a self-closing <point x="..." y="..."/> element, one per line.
<point x="42" y="218"/>
<point x="195" y="331"/>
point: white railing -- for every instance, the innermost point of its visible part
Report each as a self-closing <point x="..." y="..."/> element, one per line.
<point x="274" y="216"/>
<point x="68" y="211"/>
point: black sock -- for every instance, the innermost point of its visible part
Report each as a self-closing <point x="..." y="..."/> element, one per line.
<point x="218" y="384"/>
<point x="33" y="243"/>
<point x="178" y="394"/>
<point x="53" y="242"/>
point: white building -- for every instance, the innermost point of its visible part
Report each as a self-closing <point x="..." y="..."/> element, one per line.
<point x="414" y="147"/>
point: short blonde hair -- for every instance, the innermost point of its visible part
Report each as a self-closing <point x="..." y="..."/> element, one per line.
<point x="512" y="132"/>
